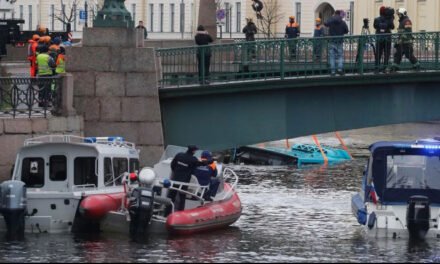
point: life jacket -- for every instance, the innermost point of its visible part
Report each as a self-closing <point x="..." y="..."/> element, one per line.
<point x="43" y="65"/>
<point x="61" y="64"/>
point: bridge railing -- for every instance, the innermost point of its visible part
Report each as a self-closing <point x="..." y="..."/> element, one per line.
<point x="282" y="58"/>
<point x="30" y="97"/>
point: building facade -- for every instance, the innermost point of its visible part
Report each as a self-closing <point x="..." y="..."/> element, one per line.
<point x="423" y="13"/>
<point x="177" y="19"/>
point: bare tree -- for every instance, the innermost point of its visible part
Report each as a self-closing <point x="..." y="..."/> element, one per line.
<point x="67" y="14"/>
<point x="271" y="16"/>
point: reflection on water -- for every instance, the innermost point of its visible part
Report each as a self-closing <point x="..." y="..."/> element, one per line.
<point x="289" y="215"/>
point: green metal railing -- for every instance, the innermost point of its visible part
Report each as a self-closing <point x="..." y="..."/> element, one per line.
<point x="282" y="58"/>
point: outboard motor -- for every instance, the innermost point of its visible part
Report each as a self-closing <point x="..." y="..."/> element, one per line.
<point x="141" y="210"/>
<point x="13" y="207"/>
<point x="418" y="215"/>
<point x="141" y="203"/>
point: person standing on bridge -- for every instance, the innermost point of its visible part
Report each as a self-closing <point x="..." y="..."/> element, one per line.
<point x="46" y="66"/>
<point x="383" y="25"/>
<point x="337" y="29"/>
<point x="292" y="32"/>
<point x="203" y="39"/>
<point x="250" y="30"/>
<point x="317" y="43"/>
<point x="404" y="45"/>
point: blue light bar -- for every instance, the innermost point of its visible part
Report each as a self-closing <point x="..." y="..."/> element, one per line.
<point x="103" y="139"/>
<point x="421" y="146"/>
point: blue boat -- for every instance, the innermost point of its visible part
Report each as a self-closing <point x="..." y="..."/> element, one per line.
<point x="299" y="154"/>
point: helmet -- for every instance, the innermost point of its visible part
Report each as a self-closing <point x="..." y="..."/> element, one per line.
<point x="401" y="11"/>
<point x="35" y="37"/>
<point x="318" y="20"/>
<point x="292" y="17"/>
<point x="42" y="29"/>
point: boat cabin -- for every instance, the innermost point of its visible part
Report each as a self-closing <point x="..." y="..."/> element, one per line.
<point x="69" y="163"/>
<point x="397" y="171"/>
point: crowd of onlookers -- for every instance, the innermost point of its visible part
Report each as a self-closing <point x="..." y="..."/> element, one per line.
<point x="335" y="28"/>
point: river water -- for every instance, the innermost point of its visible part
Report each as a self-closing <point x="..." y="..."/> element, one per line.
<point x="289" y="215"/>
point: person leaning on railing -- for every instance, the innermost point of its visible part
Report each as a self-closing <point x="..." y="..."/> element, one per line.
<point x="404" y="46"/>
<point x="203" y="39"/>
<point x="292" y="32"/>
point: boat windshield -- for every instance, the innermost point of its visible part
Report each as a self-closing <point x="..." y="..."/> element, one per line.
<point x="413" y="172"/>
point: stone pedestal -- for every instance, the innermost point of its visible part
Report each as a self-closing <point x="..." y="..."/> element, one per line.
<point x="116" y="89"/>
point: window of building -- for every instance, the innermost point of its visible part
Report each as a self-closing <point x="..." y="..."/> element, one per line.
<point x="85" y="171"/>
<point x="172" y="14"/>
<point x="161" y="17"/>
<point x="238" y="7"/>
<point x="63" y="10"/>
<point x="74" y="16"/>
<point x="120" y="165"/>
<point x="227" y="17"/>
<point x="21" y="12"/>
<point x="134" y="165"/>
<point x="108" y="172"/>
<point x="52" y="17"/>
<point x="151" y="17"/>
<point x="58" y="168"/>
<point x="298" y="13"/>
<point x="32" y="172"/>
<point x="133" y="11"/>
<point x="182" y="17"/>
<point x="30" y="17"/>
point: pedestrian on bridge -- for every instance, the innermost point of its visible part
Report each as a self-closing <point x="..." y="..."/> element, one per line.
<point x="337" y="29"/>
<point x="203" y="39"/>
<point x="250" y="30"/>
<point x="292" y="32"/>
<point x="404" y="45"/>
<point x="317" y="43"/>
<point x="32" y="54"/>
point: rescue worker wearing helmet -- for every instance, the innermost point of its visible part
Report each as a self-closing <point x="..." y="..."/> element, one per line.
<point x="32" y="54"/>
<point x="292" y="32"/>
<point x="46" y="66"/>
<point x="207" y="175"/>
<point x="404" y="45"/>
<point x="317" y="43"/>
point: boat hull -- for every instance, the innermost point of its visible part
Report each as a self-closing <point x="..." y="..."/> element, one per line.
<point x="212" y="216"/>
<point x="96" y="207"/>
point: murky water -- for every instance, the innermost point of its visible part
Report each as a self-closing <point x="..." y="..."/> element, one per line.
<point x="289" y="215"/>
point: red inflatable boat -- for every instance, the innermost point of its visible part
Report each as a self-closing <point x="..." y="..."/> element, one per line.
<point x="96" y="206"/>
<point x="208" y="217"/>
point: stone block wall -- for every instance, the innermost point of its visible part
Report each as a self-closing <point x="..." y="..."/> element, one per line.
<point x="116" y="89"/>
<point x="13" y="133"/>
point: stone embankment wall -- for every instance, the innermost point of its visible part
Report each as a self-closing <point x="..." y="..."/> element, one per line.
<point x="13" y="133"/>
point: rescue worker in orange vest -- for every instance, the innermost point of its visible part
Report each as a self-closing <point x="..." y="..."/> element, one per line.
<point x="207" y="174"/>
<point x="32" y="54"/>
<point x="55" y="47"/>
<point x="317" y="43"/>
<point x="61" y="61"/>
<point x="292" y="32"/>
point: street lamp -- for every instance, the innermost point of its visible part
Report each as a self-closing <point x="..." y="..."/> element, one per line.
<point x="86" y="8"/>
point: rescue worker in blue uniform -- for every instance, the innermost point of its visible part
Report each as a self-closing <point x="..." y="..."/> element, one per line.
<point x="207" y="174"/>
<point x="292" y="32"/>
<point x="182" y="167"/>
